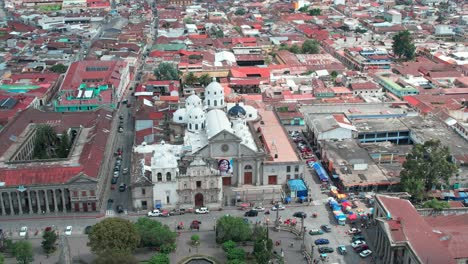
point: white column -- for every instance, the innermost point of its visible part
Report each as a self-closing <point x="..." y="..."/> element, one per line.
<point x="46" y="193"/>
<point x="20" y="207"/>
<point x="38" y="199"/>
<point x="64" y="204"/>
<point x="55" y="201"/>
<point x="257" y="173"/>
<point x="11" y="204"/>
<point x="3" y="206"/>
<point x="30" y="202"/>
<point x="240" y="176"/>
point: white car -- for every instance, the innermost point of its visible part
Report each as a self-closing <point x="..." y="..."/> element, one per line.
<point x="68" y="230"/>
<point x="365" y="253"/>
<point x="202" y="210"/>
<point x="155" y="212"/>
<point x="357" y="243"/>
<point x="23" y="231"/>
<point x="354" y="231"/>
<point x="279" y="207"/>
<point x="259" y="208"/>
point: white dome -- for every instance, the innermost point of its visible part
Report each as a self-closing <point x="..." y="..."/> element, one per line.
<point x="193" y="101"/>
<point x="195" y="115"/>
<point x="214" y="89"/>
<point x="179" y="116"/>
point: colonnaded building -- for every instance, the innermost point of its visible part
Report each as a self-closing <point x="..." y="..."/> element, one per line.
<point x="231" y="153"/>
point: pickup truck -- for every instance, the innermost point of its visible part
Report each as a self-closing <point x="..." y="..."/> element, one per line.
<point x="155" y="212"/>
<point x="202" y="210"/>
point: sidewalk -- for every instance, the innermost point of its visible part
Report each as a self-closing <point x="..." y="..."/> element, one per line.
<point x="23" y="217"/>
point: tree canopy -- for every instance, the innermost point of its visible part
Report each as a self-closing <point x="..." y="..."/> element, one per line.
<point x="47" y="145"/>
<point x="315" y="12"/>
<point x="191" y="79"/>
<point x="436" y="204"/>
<point x="204" y="79"/>
<point x="310" y="46"/>
<point x="159" y="258"/>
<point x="166" y="71"/>
<point x="232" y="228"/>
<point x="240" y="12"/>
<point x="59" y="68"/>
<point x="112" y="257"/>
<point x="262" y="245"/>
<point x="427" y="166"/>
<point x="49" y="240"/>
<point x="115" y="235"/>
<point x="153" y="233"/>
<point x="23" y="252"/>
<point x="403" y="45"/>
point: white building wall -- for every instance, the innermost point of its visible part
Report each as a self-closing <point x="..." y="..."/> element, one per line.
<point x="338" y="133"/>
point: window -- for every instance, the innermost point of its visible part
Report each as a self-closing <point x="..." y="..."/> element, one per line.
<point x="215" y="103"/>
<point x="296" y="176"/>
<point x="288" y="168"/>
<point x="212" y="184"/>
<point x="190" y="126"/>
<point x="144" y="205"/>
<point x="168" y="176"/>
<point x="75" y="194"/>
<point x="168" y="200"/>
<point x="248" y="167"/>
<point x="180" y="118"/>
<point x="83" y="193"/>
<point x="186" y="199"/>
<point x="92" y="193"/>
<point x="196" y="126"/>
<point x="212" y="198"/>
<point x="198" y="184"/>
<point x="296" y="168"/>
<point x="222" y="101"/>
<point x="143" y="191"/>
<point x="159" y="177"/>
<point x="208" y="101"/>
<point x="288" y="177"/>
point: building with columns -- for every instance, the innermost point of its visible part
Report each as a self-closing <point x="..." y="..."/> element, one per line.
<point x="72" y="184"/>
<point x="231" y="153"/>
<point x="403" y="236"/>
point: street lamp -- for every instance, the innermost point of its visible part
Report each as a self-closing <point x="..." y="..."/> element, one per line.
<point x="277" y="215"/>
<point x="303" y="229"/>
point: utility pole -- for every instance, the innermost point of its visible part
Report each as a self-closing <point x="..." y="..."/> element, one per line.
<point x="277" y="225"/>
<point x="303" y="232"/>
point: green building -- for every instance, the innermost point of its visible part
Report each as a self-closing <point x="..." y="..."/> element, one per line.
<point x="85" y="98"/>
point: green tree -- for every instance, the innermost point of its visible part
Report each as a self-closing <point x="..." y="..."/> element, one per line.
<point x="232" y="228"/>
<point x="428" y="165"/>
<point x="64" y="145"/>
<point x="263" y="245"/>
<point x="191" y="79"/>
<point x="228" y="245"/>
<point x="303" y="9"/>
<point x="159" y="258"/>
<point x="166" y="71"/>
<point x="111" y="257"/>
<point x="240" y="12"/>
<point x="310" y="46"/>
<point x="113" y="234"/>
<point x="204" y="79"/>
<point x="436" y="204"/>
<point x="48" y="242"/>
<point x="283" y="46"/>
<point x="236" y="253"/>
<point x="153" y="233"/>
<point x="195" y="239"/>
<point x="188" y="20"/>
<point x="2" y="259"/>
<point x="59" y="68"/>
<point x="315" y="12"/>
<point x="235" y="261"/>
<point x="403" y="45"/>
<point x="295" y="49"/>
<point x="45" y="143"/>
<point x="23" y="252"/>
<point x="334" y="74"/>
<point x="219" y="33"/>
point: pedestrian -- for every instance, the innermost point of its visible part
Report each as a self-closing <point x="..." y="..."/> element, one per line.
<point x="190" y="250"/>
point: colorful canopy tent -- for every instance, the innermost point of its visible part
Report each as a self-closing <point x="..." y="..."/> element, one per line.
<point x="298" y="188"/>
<point x="320" y="171"/>
<point x="352" y="216"/>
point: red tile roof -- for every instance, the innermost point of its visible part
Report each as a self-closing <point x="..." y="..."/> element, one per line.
<point x="417" y="232"/>
<point x="38" y="175"/>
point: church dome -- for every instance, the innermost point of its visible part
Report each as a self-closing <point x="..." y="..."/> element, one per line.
<point x="193" y="101"/>
<point x="237" y="111"/>
<point x="214" y="89"/>
<point x="196" y="114"/>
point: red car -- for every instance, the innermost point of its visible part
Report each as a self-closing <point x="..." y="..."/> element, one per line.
<point x="361" y="248"/>
<point x="165" y="213"/>
<point x="195" y="225"/>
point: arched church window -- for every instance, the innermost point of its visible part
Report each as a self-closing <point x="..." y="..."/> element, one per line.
<point x="248" y="167"/>
<point x="215" y="103"/>
<point x="196" y="126"/>
<point x="168" y="176"/>
<point x="159" y="177"/>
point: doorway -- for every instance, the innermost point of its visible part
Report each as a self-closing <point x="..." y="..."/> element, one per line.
<point x="198" y="200"/>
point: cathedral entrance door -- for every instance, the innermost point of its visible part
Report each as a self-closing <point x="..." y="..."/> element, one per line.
<point x="248" y="177"/>
<point x="198" y="200"/>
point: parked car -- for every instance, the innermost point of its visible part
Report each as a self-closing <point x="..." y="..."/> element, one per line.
<point x="251" y="213"/>
<point x="300" y="215"/>
<point x="68" y="230"/>
<point x="114" y="180"/>
<point x="23" y="231"/>
<point x="259" y="208"/>
<point x="165" y="213"/>
<point x="121" y="117"/>
<point x="325" y="250"/>
<point x="278" y="207"/>
<point x="125" y="171"/>
<point x="119" y="209"/>
<point x="195" y="225"/>
<point x="47" y="229"/>
<point x="153" y="213"/>
<point x="122" y="187"/>
<point x="119" y="151"/>
<point x="177" y="212"/>
<point x="202" y="210"/>
<point x="357" y="243"/>
<point x="120" y="129"/>
<point x="354" y="231"/>
<point x="358" y="237"/>
<point x="365" y="253"/>
<point x="342" y="250"/>
<point x="116" y="174"/>
<point x="315" y="231"/>
<point x="326" y="228"/>
<point x="361" y="248"/>
<point x="321" y="241"/>
<point x="87" y="230"/>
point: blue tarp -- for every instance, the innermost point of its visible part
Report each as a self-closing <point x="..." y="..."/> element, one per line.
<point x="462" y="194"/>
<point x="320" y="171"/>
<point x="298" y="186"/>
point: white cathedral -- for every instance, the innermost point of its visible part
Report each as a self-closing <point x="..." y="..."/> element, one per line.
<point x="219" y="161"/>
